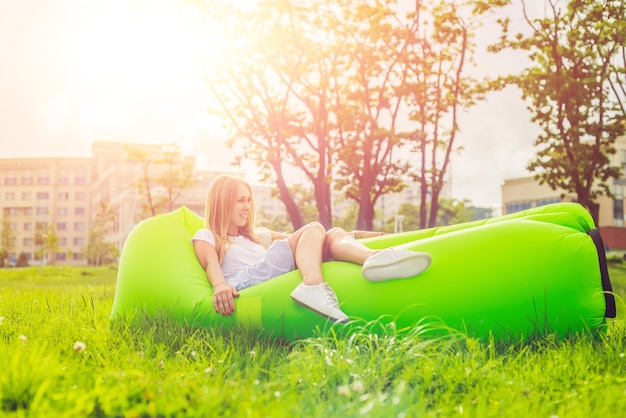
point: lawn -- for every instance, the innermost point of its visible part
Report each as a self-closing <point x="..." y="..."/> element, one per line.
<point x="60" y="356"/>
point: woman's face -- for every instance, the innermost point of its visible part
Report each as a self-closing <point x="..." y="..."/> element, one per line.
<point x="240" y="210"/>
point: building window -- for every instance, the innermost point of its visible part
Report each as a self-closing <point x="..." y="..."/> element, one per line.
<point x="13" y="226"/>
<point x="618" y="204"/>
<point x="80" y="179"/>
<point x="61" y="256"/>
<point x="77" y="257"/>
<point x="79" y="241"/>
<point x="28" y="226"/>
<point x="27" y="181"/>
<point x="64" y="181"/>
<point x="10" y="181"/>
<point x="64" y="196"/>
<point x="79" y="226"/>
<point x="41" y="210"/>
<point x="544" y="202"/>
<point x="27" y="195"/>
<point x="61" y="211"/>
<point x="618" y="212"/>
<point x="517" y="206"/>
<point x="61" y="226"/>
<point x="28" y="241"/>
<point x="43" y="195"/>
<point x="43" y="180"/>
<point x="9" y="196"/>
<point x="12" y="211"/>
<point x="79" y="211"/>
<point x="81" y="196"/>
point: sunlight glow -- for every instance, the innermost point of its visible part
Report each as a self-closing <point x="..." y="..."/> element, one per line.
<point x="121" y="56"/>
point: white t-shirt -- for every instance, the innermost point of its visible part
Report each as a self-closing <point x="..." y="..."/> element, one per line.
<point x="240" y="253"/>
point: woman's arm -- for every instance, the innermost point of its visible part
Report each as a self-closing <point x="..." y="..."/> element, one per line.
<point x="223" y="293"/>
<point x="268" y="236"/>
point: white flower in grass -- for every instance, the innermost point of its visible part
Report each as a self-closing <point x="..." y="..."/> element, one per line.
<point x="252" y="354"/>
<point x="343" y="390"/>
<point x="358" y="386"/>
<point x="621" y="355"/>
<point x="23" y="339"/>
<point x="79" y="346"/>
<point x="2" y="318"/>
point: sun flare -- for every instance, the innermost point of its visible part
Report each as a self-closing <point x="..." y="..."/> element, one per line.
<point x="123" y="57"/>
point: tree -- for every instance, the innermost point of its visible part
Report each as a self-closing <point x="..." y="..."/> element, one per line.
<point x="162" y="179"/>
<point x="98" y="250"/>
<point x="271" y="94"/>
<point x="310" y="87"/>
<point x="7" y="240"/>
<point x="439" y="88"/>
<point x="370" y="103"/>
<point x="450" y="212"/>
<point x="46" y="238"/>
<point x="576" y="92"/>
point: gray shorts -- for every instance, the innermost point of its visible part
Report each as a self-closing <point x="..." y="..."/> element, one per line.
<point x="278" y="260"/>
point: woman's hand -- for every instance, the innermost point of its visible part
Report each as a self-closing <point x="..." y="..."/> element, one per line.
<point x="223" y="295"/>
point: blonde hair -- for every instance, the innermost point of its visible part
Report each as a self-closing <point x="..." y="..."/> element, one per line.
<point x="220" y="199"/>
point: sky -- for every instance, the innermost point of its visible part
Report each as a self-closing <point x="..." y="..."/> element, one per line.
<point x="76" y="71"/>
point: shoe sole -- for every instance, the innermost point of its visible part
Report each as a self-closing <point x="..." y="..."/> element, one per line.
<point x="410" y="266"/>
<point x="329" y="317"/>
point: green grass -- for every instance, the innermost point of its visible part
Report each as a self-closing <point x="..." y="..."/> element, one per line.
<point x="158" y="368"/>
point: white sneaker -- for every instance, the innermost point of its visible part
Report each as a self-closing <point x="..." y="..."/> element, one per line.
<point x="321" y="299"/>
<point x="393" y="263"/>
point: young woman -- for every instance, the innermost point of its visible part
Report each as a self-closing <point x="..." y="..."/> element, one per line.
<point x="234" y="257"/>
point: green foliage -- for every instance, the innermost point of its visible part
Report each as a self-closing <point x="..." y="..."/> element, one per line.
<point x="163" y="178"/>
<point x="575" y="91"/>
<point x="7" y="236"/>
<point x="47" y="241"/>
<point x="98" y="250"/>
<point x="450" y="212"/>
<point x="61" y="356"/>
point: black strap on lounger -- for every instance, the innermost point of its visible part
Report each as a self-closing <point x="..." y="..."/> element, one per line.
<point x="609" y="297"/>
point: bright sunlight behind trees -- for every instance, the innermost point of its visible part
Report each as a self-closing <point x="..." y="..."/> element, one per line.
<point x="349" y="96"/>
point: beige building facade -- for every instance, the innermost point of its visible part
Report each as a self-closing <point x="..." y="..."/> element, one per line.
<point x="46" y="191"/>
<point x="65" y="193"/>
<point x="525" y="192"/>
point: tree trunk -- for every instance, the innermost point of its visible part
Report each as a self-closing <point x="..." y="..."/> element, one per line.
<point x="293" y="212"/>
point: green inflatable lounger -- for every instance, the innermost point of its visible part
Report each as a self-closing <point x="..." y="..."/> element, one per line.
<point x="529" y="273"/>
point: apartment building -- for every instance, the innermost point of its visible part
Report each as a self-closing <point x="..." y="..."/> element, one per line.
<point x="65" y="193"/>
<point x="525" y="192"/>
<point x="47" y="191"/>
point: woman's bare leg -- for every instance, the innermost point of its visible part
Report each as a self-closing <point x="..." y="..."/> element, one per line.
<point x="307" y="244"/>
<point x="341" y="246"/>
<point x="378" y="265"/>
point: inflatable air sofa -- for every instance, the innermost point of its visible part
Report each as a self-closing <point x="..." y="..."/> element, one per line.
<point x="529" y="273"/>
